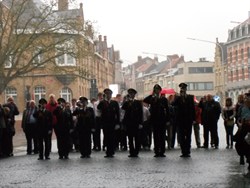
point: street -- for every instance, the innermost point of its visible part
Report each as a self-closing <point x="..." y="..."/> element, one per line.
<point x="206" y="168"/>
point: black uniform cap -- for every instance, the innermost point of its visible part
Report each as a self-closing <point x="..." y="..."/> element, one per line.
<point x="183" y="85"/>
<point x="131" y="90"/>
<point x="42" y="101"/>
<point x="83" y="99"/>
<point x="107" y="90"/>
<point x="61" y="100"/>
<point x="157" y="86"/>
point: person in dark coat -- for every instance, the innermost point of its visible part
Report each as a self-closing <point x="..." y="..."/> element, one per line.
<point x="29" y="126"/>
<point x="110" y="116"/>
<point x="10" y="124"/>
<point x="133" y="119"/>
<point x="159" y="120"/>
<point x="211" y="111"/>
<point x="185" y="117"/>
<point x="63" y="128"/>
<point x="44" y="129"/>
<point x="85" y="126"/>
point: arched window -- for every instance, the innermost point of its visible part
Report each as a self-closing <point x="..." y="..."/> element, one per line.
<point x="66" y="93"/>
<point x="11" y="92"/>
<point x="39" y="92"/>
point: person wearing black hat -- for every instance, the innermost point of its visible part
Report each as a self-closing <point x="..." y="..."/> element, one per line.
<point x="85" y="125"/>
<point x="132" y="120"/>
<point x="44" y="129"/>
<point x="160" y="117"/>
<point x="64" y="126"/>
<point x="185" y="118"/>
<point x="110" y="116"/>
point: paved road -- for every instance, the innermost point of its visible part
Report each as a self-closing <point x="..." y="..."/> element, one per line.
<point x="212" y="168"/>
<point x="206" y="168"/>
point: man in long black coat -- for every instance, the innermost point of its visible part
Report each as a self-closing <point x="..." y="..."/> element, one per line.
<point x="160" y="117"/>
<point x="110" y="117"/>
<point x="185" y="116"/>
<point x="133" y="119"/>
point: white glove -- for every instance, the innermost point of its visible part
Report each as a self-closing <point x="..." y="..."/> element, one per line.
<point x="117" y="127"/>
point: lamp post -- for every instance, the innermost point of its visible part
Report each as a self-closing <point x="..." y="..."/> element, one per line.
<point x="223" y="60"/>
<point x="170" y="64"/>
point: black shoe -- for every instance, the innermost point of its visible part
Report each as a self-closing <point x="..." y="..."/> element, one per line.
<point x="216" y="147"/>
<point x="87" y="156"/>
<point x="40" y="158"/>
<point x="162" y="155"/>
<point x="60" y="157"/>
<point x="29" y="153"/>
<point x="47" y="158"/>
<point x="185" y="155"/>
<point x="157" y="155"/>
<point x="66" y="157"/>
<point x="135" y="156"/>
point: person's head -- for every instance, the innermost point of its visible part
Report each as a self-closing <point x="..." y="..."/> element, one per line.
<point x="247" y="101"/>
<point x="108" y="93"/>
<point x="157" y="89"/>
<point x="99" y="96"/>
<point x="42" y="102"/>
<point x="209" y="97"/>
<point x="52" y="99"/>
<point x="183" y="88"/>
<point x="240" y="98"/>
<point x="10" y="100"/>
<point x="73" y="101"/>
<point x="67" y="105"/>
<point x="93" y="100"/>
<point x="132" y="92"/>
<point x="118" y="98"/>
<point x="83" y="101"/>
<point x="32" y="104"/>
<point x="61" y="101"/>
<point x="229" y="102"/>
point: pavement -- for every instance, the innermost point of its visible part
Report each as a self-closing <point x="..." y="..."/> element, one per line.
<point x="207" y="168"/>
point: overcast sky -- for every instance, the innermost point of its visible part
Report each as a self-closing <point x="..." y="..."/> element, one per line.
<point x="162" y="26"/>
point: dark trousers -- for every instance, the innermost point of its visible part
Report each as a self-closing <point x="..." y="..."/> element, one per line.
<point x="229" y="134"/>
<point x="213" y="129"/>
<point x="63" y="142"/>
<point x="109" y="135"/>
<point x="97" y="134"/>
<point x="159" y="133"/>
<point x="43" y="141"/>
<point x="85" y="142"/>
<point x="134" y="142"/>
<point x="185" y="131"/>
<point x="32" y="138"/>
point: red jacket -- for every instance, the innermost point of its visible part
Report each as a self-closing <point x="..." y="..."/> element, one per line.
<point x="51" y="108"/>
<point x="197" y="114"/>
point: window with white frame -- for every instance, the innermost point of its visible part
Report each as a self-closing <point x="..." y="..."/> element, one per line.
<point x="37" y="56"/>
<point x="64" y="58"/>
<point x="39" y="92"/>
<point x="10" y="92"/>
<point x="66" y="93"/>
<point x="8" y="63"/>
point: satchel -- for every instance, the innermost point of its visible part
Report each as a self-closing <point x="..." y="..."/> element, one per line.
<point x="247" y="138"/>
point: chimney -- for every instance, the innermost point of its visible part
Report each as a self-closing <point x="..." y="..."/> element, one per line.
<point x="63" y="5"/>
<point x="100" y="38"/>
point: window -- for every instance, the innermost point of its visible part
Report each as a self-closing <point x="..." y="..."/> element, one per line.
<point x="64" y="56"/>
<point x="242" y="55"/>
<point x="37" y="55"/>
<point x="66" y="93"/>
<point x="236" y="56"/>
<point x="198" y="70"/>
<point x="8" y="63"/>
<point x="11" y="92"/>
<point x="200" y="86"/>
<point x="180" y="71"/>
<point x="39" y="92"/>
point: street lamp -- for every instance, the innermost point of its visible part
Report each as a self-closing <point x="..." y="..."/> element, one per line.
<point x="170" y="64"/>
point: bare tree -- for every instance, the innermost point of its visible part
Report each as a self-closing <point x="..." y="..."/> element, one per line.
<point x="35" y="34"/>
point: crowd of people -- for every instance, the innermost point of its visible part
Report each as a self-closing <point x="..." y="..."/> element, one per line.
<point x="127" y="124"/>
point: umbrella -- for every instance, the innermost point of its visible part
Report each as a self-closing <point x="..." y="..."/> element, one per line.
<point x="167" y="91"/>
